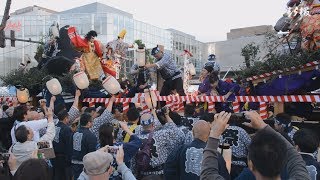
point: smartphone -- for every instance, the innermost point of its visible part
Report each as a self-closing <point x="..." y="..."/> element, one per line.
<point x="45" y="150"/>
<point x="113" y="149"/>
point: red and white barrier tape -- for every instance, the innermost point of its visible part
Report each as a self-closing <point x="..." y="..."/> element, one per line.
<point x="236" y="107"/>
<point x="265" y="75"/>
<point x="287" y="98"/>
<point x="263" y="110"/>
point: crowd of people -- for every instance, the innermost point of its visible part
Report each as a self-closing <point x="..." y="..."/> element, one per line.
<point x="89" y="143"/>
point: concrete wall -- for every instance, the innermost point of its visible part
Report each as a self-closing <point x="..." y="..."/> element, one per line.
<point x="228" y="53"/>
<point x="249" y="31"/>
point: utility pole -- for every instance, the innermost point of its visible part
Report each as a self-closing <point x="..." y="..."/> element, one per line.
<point x="4" y="23"/>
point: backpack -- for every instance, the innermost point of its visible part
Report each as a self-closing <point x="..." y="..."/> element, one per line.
<point x="144" y="155"/>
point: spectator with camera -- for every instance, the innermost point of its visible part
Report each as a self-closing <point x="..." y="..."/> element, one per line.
<point x="25" y="147"/>
<point x="84" y="142"/>
<point x="156" y="144"/>
<point x="239" y="140"/>
<point x="106" y="138"/>
<point x="98" y="165"/>
<point x="307" y="142"/>
<point x="21" y="115"/>
<point x="62" y="145"/>
<point x="266" y="156"/>
<point x="185" y="163"/>
<point x="177" y="119"/>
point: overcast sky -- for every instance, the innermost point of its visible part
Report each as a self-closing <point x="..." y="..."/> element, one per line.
<point x="208" y="20"/>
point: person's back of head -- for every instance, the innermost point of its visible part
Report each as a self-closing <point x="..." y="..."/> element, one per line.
<point x="101" y="110"/>
<point x="133" y="114"/>
<point x="176" y="118"/>
<point x="106" y="134"/>
<point x="147" y="121"/>
<point x="189" y="110"/>
<point x="89" y="110"/>
<point x="21" y="134"/>
<point x="201" y="130"/>
<point x="152" y="177"/>
<point x="5" y="107"/>
<point x="20" y="112"/>
<point x="213" y="78"/>
<point x="306" y="140"/>
<point x="59" y="107"/>
<point x="283" y="120"/>
<point x="98" y="165"/>
<point x="10" y="111"/>
<point x="62" y="115"/>
<point x="33" y="169"/>
<point x="85" y="118"/>
<point x="267" y="155"/>
<point x="92" y="111"/>
<point x="207" y="117"/>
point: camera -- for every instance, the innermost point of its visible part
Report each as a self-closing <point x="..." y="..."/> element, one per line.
<point x="113" y="150"/>
<point x="161" y="111"/>
<point x="161" y="114"/>
<point x="43" y="145"/>
<point x="45" y="150"/>
<point x="238" y="118"/>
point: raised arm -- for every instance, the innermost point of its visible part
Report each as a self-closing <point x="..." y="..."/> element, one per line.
<point x="74" y="112"/>
<point x="76" y="99"/>
<point x="52" y="100"/>
<point x="209" y="166"/>
<point x="51" y="131"/>
<point x="295" y="165"/>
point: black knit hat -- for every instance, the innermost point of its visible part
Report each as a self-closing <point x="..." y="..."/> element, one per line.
<point x="208" y="68"/>
<point x="155" y="50"/>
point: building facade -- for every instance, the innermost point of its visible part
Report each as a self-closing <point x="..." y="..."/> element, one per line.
<point x="34" y="22"/>
<point x="228" y="53"/>
<point x="183" y="41"/>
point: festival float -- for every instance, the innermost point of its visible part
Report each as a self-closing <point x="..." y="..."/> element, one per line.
<point x="289" y="80"/>
<point x="283" y="81"/>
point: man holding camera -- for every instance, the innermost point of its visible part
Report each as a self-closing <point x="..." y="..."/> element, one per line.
<point x="185" y="163"/>
<point x="239" y="141"/>
<point x="169" y="72"/>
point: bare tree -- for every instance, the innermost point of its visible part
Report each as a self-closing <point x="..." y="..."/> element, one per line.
<point x="4" y="22"/>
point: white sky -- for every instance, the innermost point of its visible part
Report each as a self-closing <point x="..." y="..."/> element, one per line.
<point x="207" y="20"/>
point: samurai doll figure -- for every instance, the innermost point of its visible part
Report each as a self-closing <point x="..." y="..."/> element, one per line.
<point x="92" y="52"/>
